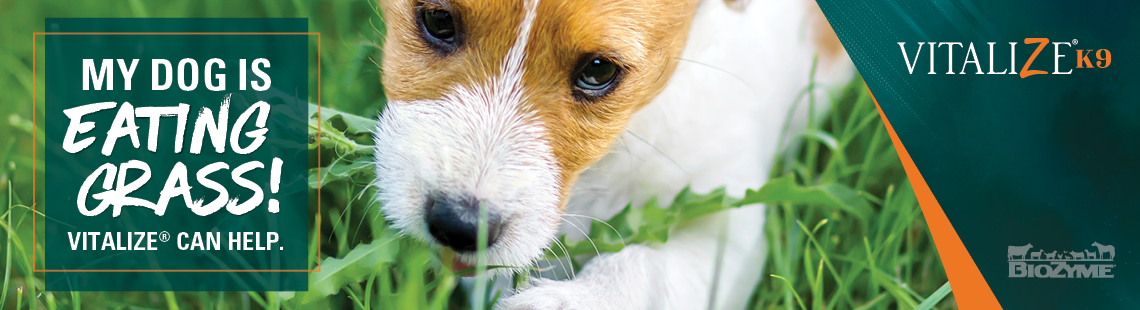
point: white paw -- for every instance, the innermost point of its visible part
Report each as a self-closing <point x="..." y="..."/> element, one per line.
<point x="553" y="295"/>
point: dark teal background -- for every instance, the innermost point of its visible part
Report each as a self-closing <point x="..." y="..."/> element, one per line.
<point x="1052" y="160"/>
<point x="287" y="139"/>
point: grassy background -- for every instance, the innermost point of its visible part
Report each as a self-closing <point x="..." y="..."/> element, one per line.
<point x="822" y="256"/>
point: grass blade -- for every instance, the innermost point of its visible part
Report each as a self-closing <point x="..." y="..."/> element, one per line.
<point x="938" y="295"/>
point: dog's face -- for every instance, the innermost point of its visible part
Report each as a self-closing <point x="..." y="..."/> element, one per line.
<point x="496" y="107"/>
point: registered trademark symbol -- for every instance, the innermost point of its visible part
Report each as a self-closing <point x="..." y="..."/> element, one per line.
<point x="164" y="236"/>
<point x="1074" y="41"/>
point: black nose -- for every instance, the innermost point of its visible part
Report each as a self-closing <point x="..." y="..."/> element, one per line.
<point x="454" y="222"/>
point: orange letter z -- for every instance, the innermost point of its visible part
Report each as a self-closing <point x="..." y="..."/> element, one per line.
<point x="1040" y="46"/>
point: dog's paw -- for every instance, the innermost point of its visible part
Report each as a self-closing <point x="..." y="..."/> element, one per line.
<point x="553" y="295"/>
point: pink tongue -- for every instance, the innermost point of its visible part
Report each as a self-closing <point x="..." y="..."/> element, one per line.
<point x="459" y="265"/>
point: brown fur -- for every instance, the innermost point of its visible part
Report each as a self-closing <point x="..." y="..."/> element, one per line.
<point x="644" y="37"/>
<point x="830" y="49"/>
<point x="413" y="71"/>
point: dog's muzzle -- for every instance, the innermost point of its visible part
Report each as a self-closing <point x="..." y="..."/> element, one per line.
<point x="454" y="221"/>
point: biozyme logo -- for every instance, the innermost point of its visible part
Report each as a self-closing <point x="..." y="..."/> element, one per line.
<point x="1056" y="264"/>
<point x="1102" y="56"/>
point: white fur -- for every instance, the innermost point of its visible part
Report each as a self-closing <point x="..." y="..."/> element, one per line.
<point x="717" y="123"/>
<point x="474" y="141"/>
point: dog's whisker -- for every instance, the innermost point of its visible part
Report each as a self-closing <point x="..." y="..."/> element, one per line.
<point x="620" y="237"/>
<point x="551" y="265"/>
<point x="687" y="174"/>
<point x="584" y="234"/>
<point x="360" y="224"/>
<point x="572" y="273"/>
<point x="755" y="94"/>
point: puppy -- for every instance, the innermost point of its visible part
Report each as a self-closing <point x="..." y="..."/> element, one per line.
<point x="523" y="112"/>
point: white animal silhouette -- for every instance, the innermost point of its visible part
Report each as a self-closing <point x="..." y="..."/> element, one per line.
<point x="1019" y="251"/>
<point x="1111" y="250"/>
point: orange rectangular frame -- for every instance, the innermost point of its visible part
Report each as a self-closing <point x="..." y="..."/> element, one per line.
<point x="34" y="183"/>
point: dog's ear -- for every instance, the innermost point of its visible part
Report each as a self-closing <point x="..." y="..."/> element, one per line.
<point x="830" y="48"/>
<point x="737" y="5"/>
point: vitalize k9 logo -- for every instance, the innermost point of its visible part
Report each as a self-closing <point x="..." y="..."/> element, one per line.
<point x="1103" y="57"/>
<point x="1039" y="264"/>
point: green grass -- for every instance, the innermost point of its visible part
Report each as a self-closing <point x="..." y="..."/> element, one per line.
<point x="844" y="227"/>
<point x="822" y="258"/>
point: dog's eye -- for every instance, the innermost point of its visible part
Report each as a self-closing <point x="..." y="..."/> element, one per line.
<point x="438" y="24"/>
<point x="596" y="77"/>
<point x="439" y="29"/>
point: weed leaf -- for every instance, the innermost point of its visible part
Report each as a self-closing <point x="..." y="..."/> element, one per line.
<point x="364" y="260"/>
<point x="344" y="122"/>
<point x="652" y="224"/>
<point x="833" y="195"/>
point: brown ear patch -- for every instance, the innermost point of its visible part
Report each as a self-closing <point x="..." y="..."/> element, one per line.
<point x="818" y="27"/>
<point x="737" y="5"/>
<point x="830" y="49"/>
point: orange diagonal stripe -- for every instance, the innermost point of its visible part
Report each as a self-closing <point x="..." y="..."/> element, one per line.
<point x="970" y="289"/>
